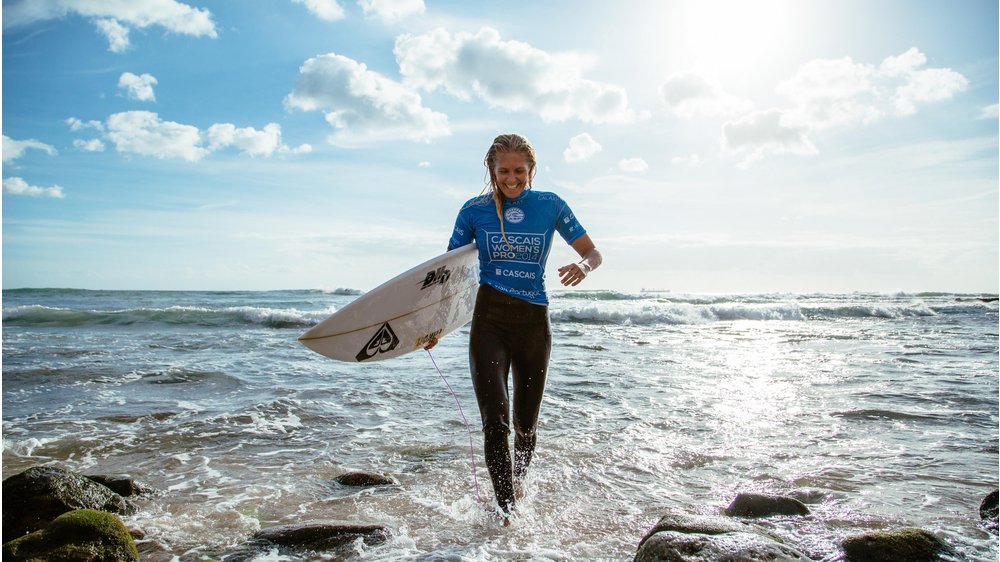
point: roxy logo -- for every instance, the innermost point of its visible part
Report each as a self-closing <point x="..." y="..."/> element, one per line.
<point x="439" y="276"/>
<point x="514" y="215"/>
<point x="383" y="341"/>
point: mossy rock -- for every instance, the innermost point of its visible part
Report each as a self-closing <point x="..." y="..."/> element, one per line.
<point x="322" y="535"/>
<point x="989" y="511"/>
<point x="907" y="544"/>
<point x="763" y="505"/>
<point x="701" y="525"/>
<point x="365" y="479"/>
<point x="698" y="538"/>
<point x="990" y="506"/>
<point x="38" y="495"/>
<point x="671" y="546"/>
<point x="84" y="535"/>
<point x="122" y="485"/>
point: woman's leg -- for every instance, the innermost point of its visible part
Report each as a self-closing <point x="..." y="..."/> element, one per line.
<point x="530" y="363"/>
<point x="489" y="360"/>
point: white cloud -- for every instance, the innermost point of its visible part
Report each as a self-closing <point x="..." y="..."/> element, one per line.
<point x="903" y="64"/>
<point x="247" y="139"/>
<point x="17" y="186"/>
<point x="688" y="94"/>
<point x="362" y="105"/>
<point x="990" y="112"/>
<point x="424" y="164"/>
<point x="115" y="33"/>
<point x="328" y="10"/>
<point x="510" y="75"/>
<point x="78" y="125"/>
<point x="115" y="19"/>
<point x="92" y="145"/>
<point x="143" y="132"/>
<point x="392" y="10"/>
<point x="763" y="133"/>
<point x="634" y="165"/>
<point x="14" y="149"/>
<point x="692" y="160"/>
<point x="926" y="86"/>
<point x="301" y="149"/>
<point x="138" y="87"/>
<point x="830" y="93"/>
<point x="581" y="147"/>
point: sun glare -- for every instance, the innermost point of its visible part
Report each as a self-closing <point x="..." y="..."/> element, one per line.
<point x="732" y="36"/>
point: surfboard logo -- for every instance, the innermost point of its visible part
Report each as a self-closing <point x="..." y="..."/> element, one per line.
<point x="439" y="276"/>
<point x="426" y="339"/>
<point x="383" y="341"/>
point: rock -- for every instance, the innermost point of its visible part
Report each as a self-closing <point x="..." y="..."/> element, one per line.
<point x="83" y="535"/>
<point x="683" y="538"/>
<point x="362" y="479"/>
<point x="989" y="509"/>
<point x="698" y="524"/>
<point x="122" y="485"/>
<point x="38" y="495"/>
<point x="136" y="533"/>
<point x="322" y="535"/>
<point x="761" y="505"/>
<point x="906" y="544"/>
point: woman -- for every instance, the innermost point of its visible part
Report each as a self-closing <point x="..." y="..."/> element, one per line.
<point x="513" y="227"/>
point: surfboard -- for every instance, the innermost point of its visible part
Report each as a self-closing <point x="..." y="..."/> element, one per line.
<point x="404" y="313"/>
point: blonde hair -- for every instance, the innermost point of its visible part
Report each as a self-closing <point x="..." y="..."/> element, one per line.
<point x="506" y="143"/>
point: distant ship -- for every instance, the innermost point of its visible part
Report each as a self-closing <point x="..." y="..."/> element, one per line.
<point x="645" y="290"/>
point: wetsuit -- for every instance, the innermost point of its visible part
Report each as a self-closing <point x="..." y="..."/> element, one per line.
<point x="510" y="325"/>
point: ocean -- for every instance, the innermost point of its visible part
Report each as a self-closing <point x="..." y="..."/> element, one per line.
<point x="877" y="410"/>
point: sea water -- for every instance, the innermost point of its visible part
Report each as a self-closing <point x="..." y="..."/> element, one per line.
<point x="877" y="410"/>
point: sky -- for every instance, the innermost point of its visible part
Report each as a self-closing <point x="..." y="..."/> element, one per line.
<point x="706" y="145"/>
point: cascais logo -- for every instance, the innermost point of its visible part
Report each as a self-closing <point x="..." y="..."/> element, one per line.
<point x="383" y="341"/>
<point x="514" y="215"/>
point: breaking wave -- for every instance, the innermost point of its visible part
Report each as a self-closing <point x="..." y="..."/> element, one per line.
<point x="38" y="315"/>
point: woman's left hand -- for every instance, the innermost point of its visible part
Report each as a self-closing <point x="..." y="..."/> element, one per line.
<point x="571" y="275"/>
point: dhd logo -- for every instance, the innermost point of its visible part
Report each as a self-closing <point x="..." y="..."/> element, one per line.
<point x="436" y="277"/>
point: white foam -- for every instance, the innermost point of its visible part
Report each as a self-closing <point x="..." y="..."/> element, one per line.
<point x="25" y="447"/>
<point x="271" y="556"/>
<point x="190" y="406"/>
<point x="646" y="313"/>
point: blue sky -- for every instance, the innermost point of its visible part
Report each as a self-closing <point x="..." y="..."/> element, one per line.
<point x="707" y="146"/>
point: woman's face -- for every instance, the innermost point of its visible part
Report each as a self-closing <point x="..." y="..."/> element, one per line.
<point x="511" y="172"/>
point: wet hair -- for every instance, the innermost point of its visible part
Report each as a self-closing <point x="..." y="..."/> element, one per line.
<point x="506" y="143"/>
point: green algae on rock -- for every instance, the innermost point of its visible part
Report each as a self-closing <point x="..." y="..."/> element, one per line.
<point x="907" y="544"/>
<point x="83" y="535"/>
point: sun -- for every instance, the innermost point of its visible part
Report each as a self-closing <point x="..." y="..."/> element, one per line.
<point x="732" y="36"/>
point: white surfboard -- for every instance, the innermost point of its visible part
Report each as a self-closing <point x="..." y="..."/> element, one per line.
<point x="404" y="313"/>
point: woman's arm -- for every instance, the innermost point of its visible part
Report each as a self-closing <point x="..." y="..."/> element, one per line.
<point x="571" y="275"/>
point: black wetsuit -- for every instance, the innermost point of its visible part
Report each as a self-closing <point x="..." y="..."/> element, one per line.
<point x="508" y="334"/>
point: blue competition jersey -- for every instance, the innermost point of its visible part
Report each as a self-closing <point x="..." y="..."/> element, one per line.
<point x="517" y="266"/>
